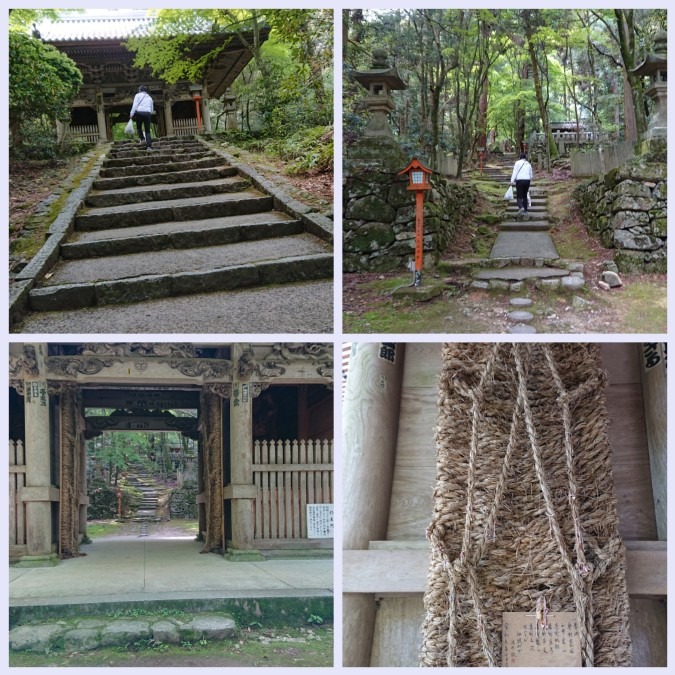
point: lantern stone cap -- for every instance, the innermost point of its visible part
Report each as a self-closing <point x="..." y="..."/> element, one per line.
<point x="390" y="77"/>
<point x="655" y="61"/>
<point x="380" y="71"/>
<point x="415" y="165"/>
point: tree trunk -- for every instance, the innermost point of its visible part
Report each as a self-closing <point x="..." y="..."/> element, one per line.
<point x="543" y="113"/>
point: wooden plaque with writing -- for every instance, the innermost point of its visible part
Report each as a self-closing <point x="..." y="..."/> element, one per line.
<point x="526" y="644"/>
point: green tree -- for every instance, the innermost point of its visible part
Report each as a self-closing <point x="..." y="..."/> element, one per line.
<point x="42" y="83"/>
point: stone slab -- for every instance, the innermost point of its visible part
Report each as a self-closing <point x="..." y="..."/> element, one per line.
<point x="178" y="261"/>
<point x="524" y="245"/>
<point x="160" y="192"/>
<point x="526" y="226"/>
<point x="419" y="293"/>
<point x="210" y="206"/>
<point x="183" y="235"/>
<point x="518" y="273"/>
<point x="522" y="328"/>
<point x="209" y="173"/>
<point x="520" y="302"/>
<point x="294" y="308"/>
<point x="520" y="315"/>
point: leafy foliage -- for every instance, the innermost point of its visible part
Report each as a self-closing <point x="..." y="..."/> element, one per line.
<point x="283" y="94"/>
<point x="486" y="77"/>
<point x="42" y="83"/>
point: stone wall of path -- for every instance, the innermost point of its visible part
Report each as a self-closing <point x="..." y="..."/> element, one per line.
<point x="379" y="218"/>
<point x="627" y="208"/>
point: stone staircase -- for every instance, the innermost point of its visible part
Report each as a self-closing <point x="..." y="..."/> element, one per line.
<point x="524" y="254"/>
<point x="170" y="225"/>
<point x="142" y="480"/>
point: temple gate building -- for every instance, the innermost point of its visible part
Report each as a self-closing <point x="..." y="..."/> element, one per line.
<point x="264" y="426"/>
<point x="96" y="43"/>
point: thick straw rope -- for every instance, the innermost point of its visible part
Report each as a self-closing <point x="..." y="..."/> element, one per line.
<point x="524" y="503"/>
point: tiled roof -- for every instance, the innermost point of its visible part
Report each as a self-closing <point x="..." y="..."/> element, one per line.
<point x="96" y="25"/>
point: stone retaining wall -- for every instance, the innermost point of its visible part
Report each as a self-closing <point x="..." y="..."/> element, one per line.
<point x="183" y="501"/>
<point x="379" y="218"/>
<point x="627" y="208"/>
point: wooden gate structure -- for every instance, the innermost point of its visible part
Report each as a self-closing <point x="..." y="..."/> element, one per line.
<point x="252" y="493"/>
<point x="390" y="408"/>
<point x="289" y="475"/>
<point x="17" y="509"/>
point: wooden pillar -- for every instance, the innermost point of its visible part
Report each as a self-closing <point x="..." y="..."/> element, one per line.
<point x="654" y="388"/>
<point x="168" y="119"/>
<point x="84" y="500"/>
<point x="370" y="430"/>
<point x="206" y="114"/>
<point x="38" y="492"/>
<point x="241" y="490"/>
<point x="100" y="119"/>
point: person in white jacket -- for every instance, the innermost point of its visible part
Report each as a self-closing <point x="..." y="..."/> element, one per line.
<point x="141" y="113"/>
<point x="521" y="179"/>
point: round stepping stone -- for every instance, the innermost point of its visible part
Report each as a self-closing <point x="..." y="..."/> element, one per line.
<point x="520" y="316"/>
<point x="522" y="328"/>
<point x="520" y="302"/>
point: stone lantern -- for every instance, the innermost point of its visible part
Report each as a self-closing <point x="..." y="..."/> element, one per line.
<point x="380" y="81"/>
<point x="654" y="67"/>
<point x="230" y="109"/>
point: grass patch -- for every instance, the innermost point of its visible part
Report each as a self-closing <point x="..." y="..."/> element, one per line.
<point x="32" y="235"/>
<point x="288" y="647"/>
<point x="571" y="243"/>
<point x="107" y="528"/>
<point x="644" y="307"/>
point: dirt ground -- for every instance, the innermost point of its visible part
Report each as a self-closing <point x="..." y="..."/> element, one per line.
<point x="637" y="307"/>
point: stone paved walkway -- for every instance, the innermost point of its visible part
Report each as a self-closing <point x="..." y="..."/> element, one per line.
<point x="180" y="222"/>
<point x="524" y="252"/>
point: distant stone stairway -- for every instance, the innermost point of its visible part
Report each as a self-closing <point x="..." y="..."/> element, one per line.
<point x="140" y="479"/>
<point x="524" y="253"/>
<point x="174" y="223"/>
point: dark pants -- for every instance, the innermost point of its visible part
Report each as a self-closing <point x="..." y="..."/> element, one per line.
<point x="522" y="186"/>
<point x="142" y="119"/>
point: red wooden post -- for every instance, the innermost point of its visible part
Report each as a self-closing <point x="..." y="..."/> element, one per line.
<point x="119" y="503"/>
<point x="419" y="236"/>
<point x="419" y="181"/>
<point x="198" y="99"/>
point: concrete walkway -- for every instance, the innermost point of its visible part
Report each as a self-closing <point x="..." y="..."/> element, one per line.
<point x="118" y="569"/>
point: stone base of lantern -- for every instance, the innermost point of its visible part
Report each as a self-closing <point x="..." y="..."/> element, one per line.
<point x="421" y="293"/>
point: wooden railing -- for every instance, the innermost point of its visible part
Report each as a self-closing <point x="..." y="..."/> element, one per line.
<point x="289" y="475"/>
<point x="87" y="132"/>
<point x="185" y="127"/>
<point x="17" y="509"/>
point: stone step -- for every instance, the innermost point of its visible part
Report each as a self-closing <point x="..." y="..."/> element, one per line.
<point x="188" y="176"/>
<point x="524" y="245"/>
<point x="535" y="208"/>
<point x="519" y="273"/>
<point x="164" y="192"/>
<point x="147" y="158"/>
<point x="184" y="234"/>
<point x="161" y="166"/>
<point x="165" y="274"/>
<point x="526" y="226"/>
<point x="211" y="206"/>
<point x="298" y="307"/>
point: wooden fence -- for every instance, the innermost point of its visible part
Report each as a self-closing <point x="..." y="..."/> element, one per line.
<point x="17" y="509"/>
<point x="87" y="132"/>
<point x="601" y="160"/>
<point x="289" y="475"/>
<point x="185" y="127"/>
